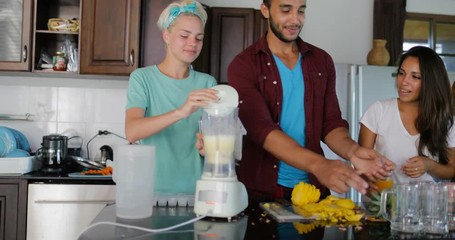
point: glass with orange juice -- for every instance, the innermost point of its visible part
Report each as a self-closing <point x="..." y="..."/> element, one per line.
<point x="384" y="184"/>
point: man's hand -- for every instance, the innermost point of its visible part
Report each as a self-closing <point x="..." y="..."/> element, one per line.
<point x="338" y="176"/>
<point x="371" y="164"/>
<point x="200" y="144"/>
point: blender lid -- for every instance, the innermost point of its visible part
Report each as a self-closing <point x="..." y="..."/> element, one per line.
<point x="54" y="137"/>
<point x="228" y="96"/>
<point x="228" y="99"/>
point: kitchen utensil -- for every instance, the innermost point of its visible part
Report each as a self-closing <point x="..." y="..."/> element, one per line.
<point x="53" y="152"/>
<point x="218" y="192"/>
<point x="282" y="213"/>
<point x="106" y="154"/>
<point x="87" y="163"/>
<point x="133" y="174"/>
<point x="81" y="175"/>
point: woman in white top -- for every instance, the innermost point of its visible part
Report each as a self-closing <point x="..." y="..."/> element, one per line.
<point x="415" y="130"/>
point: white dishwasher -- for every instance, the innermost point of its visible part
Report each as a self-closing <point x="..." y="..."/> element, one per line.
<point x="62" y="211"/>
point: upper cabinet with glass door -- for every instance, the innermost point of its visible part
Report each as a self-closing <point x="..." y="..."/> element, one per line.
<point x="15" y="34"/>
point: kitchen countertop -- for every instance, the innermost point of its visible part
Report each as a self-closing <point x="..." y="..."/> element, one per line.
<point x="62" y="177"/>
<point x="253" y="224"/>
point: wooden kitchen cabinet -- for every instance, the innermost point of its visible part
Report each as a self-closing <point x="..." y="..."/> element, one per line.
<point x="13" y="208"/>
<point x="232" y="31"/>
<point x="49" y="41"/>
<point x="110" y="36"/>
<point x="15" y="37"/>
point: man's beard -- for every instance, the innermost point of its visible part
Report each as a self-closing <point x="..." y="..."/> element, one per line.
<point x="278" y="33"/>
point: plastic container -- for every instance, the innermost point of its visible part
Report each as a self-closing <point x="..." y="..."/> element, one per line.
<point x="19" y="165"/>
<point x="133" y="175"/>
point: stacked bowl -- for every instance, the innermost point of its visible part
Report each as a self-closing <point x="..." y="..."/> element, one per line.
<point x="13" y="143"/>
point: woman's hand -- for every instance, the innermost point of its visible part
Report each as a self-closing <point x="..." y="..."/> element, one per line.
<point x="196" y="99"/>
<point x="371" y="164"/>
<point x="417" y="166"/>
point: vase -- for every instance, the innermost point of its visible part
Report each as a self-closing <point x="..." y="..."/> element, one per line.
<point x="378" y="55"/>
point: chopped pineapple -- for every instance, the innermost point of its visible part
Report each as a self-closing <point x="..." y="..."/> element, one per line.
<point x="345" y="203"/>
<point x="333" y="209"/>
<point x="304" y="193"/>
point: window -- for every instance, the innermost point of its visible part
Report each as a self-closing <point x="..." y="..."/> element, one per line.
<point x="434" y="31"/>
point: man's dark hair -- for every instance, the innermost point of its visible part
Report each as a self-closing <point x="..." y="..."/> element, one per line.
<point x="267" y="3"/>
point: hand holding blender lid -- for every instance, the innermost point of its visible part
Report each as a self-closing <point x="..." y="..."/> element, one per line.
<point x="218" y="192"/>
<point x="228" y="99"/>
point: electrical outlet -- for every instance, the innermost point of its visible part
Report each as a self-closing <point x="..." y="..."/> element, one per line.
<point x="103" y="132"/>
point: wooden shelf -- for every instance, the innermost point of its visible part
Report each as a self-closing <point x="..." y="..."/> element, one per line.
<point x="47" y="42"/>
<point x="56" y="32"/>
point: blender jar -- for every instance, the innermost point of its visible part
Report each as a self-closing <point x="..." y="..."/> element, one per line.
<point x="219" y="129"/>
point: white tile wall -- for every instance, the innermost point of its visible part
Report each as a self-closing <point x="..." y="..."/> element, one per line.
<point x="68" y="109"/>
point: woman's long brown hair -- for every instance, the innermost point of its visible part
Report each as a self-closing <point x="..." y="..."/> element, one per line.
<point x="435" y="117"/>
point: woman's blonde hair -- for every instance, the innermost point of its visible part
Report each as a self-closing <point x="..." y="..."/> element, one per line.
<point x="184" y="7"/>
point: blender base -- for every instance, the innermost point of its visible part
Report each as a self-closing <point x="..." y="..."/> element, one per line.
<point x="218" y="198"/>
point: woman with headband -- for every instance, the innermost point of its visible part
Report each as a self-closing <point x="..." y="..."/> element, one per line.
<point x="164" y="100"/>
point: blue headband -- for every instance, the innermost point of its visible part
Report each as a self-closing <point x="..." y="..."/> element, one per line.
<point x="175" y="11"/>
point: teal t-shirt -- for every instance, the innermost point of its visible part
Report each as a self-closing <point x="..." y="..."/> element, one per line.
<point x="178" y="164"/>
<point x="292" y="118"/>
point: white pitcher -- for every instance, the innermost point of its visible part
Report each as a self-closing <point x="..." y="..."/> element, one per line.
<point x="133" y="174"/>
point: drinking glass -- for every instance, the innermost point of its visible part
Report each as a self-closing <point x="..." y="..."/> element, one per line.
<point x="384" y="184"/>
<point x="451" y="206"/>
<point x="434" y="208"/>
<point x="404" y="211"/>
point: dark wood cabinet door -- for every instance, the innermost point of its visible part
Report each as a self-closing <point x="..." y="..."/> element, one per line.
<point x="233" y="30"/>
<point x="152" y="45"/>
<point x="260" y="25"/>
<point x="15" y="35"/>
<point x="13" y="204"/>
<point x="110" y="36"/>
<point x="153" y="49"/>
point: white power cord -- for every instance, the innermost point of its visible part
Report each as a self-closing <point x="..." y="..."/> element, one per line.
<point x="149" y="230"/>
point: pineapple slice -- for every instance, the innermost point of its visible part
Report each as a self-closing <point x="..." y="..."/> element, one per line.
<point x="304" y="193"/>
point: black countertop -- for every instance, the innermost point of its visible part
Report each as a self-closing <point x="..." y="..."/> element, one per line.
<point x="252" y="224"/>
<point x="65" y="178"/>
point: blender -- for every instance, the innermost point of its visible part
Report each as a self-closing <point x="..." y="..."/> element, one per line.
<point x="218" y="192"/>
<point x="53" y="152"/>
